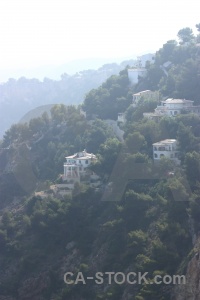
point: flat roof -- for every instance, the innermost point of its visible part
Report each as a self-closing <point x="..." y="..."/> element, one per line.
<point x="171" y="100"/>
<point x="166" y="142"/>
<point x="81" y="155"/>
<point x="139" y="93"/>
<point x="72" y="156"/>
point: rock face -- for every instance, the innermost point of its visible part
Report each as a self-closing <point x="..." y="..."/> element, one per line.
<point x="190" y="290"/>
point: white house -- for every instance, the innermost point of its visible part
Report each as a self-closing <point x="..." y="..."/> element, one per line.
<point x="172" y="107"/>
<point x="76" y="165"/>
<point x="146" y="57"/>
<point x="139" y="68"/>
<point x="133" y="74"/>
<point x="166" y="148"/>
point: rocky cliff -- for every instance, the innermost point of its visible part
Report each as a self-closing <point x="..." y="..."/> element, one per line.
<point x="190" y="290"/>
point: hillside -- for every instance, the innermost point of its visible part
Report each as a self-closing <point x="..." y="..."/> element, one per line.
<point x="18" y="97"/>
<point x="143" y="219"/>
<point x="175" y="72"/>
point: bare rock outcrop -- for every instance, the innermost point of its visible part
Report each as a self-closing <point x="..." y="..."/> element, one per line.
<point x="191" y="289"/>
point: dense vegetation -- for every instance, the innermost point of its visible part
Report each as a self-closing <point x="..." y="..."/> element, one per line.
<point x="176" y="71"/>
<point x="112" y="97"/>
<point x="145" y="223"/>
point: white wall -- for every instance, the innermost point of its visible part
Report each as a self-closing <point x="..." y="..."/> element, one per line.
<point x="134" y="73"/>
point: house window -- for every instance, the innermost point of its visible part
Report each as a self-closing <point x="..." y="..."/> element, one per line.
<point x="155" y="155"/>
<point x="155" y="148"/>
<point x="86" y="162"/>
<point x="161" y="155"/>
<point x="161" y="149"/>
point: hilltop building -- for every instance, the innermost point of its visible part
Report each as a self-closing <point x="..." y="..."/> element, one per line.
<point x="142" y="59"/>
<point x="134" y="73"/>
<point x="139" y="69"/>
<point x="166" y="148"/>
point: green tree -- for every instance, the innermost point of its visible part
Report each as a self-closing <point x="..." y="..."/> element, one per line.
<point x="109" y="152"/>
<point x="192" y="162"/>
<point x="59" y="113"/>
<point x="198" y="27"/>
<point x="109" y="99"/>
<point x="186" y="138"/>
<point x="198" y="35"/>
<point x="166" y="52"/>
<point x="135" y="142"/>
<point x="185" y="35"/>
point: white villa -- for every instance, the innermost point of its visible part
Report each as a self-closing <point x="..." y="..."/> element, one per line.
<point x="166" y="148"/>
<point x="76" y="165"/>
<point x="173" y="107"/>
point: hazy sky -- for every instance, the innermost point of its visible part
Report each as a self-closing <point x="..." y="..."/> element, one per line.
<point x="39" y="32"/>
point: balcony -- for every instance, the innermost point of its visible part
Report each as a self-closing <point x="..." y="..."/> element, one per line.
<point x="70" y="164"/>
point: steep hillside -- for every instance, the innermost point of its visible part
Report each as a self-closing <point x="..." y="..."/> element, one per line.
<point x="176" y="71"/>
<point x="147" y="230"/>
<point x="142" y="222"/>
